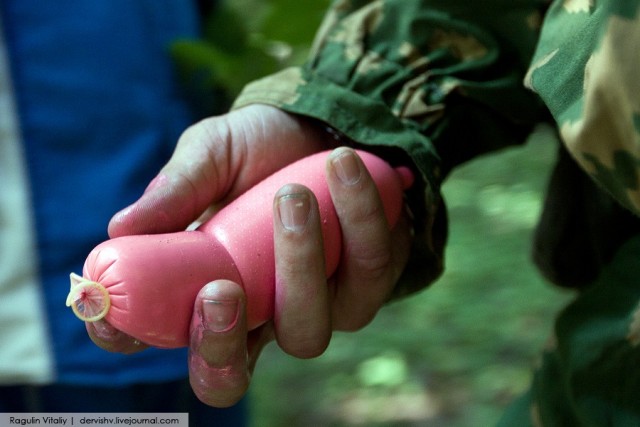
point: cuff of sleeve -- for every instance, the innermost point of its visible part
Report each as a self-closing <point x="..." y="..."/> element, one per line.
<point x="359" y="118"/>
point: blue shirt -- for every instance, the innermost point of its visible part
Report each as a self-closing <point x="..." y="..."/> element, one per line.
<point x="99" y="110"/>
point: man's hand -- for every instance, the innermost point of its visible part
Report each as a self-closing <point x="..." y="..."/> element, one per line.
<point x="215" y="161"/>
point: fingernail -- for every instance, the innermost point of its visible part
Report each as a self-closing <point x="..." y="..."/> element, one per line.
<point x="346" y="167"/>
<point x="219" y="316"/>
<point x="294" y="211"/>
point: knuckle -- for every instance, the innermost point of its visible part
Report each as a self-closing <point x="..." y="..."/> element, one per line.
<point x="371" y="261"/>
<point x="367" y="212"/>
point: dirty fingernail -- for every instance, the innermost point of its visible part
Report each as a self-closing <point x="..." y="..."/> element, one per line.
<point x="346" y="167"/>
<point x="220" y="316"/>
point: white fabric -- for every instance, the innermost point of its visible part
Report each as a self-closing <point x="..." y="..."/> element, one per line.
<point x="25" y="356"/>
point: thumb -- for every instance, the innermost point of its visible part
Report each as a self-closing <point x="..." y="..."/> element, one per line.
<point x="166" y="206"/>
<point x="216" y="160"/>
<point x="197" y="175"/>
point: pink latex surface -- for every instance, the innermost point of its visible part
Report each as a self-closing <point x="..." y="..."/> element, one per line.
<point x="153" y="279"/>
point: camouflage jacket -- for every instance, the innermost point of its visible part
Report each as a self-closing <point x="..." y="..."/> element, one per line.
<point x="435" y="83"/>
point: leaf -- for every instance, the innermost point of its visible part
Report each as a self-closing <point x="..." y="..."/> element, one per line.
<point x="226" y="30"/>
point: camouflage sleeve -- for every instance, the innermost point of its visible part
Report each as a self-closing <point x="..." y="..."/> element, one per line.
<point x="428" y="83"/>
<point x="586" y="71"/>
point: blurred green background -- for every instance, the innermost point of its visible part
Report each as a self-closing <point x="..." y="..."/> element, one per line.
<point x="454" y="355"/>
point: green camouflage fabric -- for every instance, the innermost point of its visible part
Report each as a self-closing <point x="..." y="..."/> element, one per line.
<point x="586" y="70"/>
<point x="435" y="83"/>
<point x="588" y="375"/>
<point x="427" y="83"/>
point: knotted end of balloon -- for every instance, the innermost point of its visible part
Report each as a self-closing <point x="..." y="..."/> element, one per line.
<point x="89" y="300"/>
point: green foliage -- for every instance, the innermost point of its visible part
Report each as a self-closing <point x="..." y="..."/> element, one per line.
<point x="294" y="21"/>
<point x="238" y="47"/>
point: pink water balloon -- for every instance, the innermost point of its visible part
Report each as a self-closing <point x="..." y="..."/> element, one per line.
<point x="146" y="285"/>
